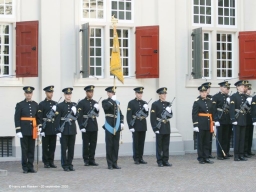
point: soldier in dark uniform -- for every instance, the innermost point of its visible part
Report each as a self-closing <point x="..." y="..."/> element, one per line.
<point x="113" y="125"/>
<point x="139" y="127"/>
<point x="222" y="119"/>
<point x="203" y="120"/>
<point x="68" y="136"/>
<point x="25" y="122"/>
<point x="239" y="123"/>
<point x="164" y="130"/>
<point x="48" y="133"/>
<point x="89" y="131"/>
<point x="253" y="113"/>
<point x="249" y="127"/>
<point x="208" y="85"/>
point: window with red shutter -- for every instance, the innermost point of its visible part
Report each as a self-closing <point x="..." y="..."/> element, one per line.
<point x="247" y="55"/>
<point x="27" y="49"/>
<point x="147" y="52"/>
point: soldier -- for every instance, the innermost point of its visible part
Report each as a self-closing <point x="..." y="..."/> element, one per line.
<point x="113" y="125"/>
<point x="68" y="136"/>
<point x="88" y="111"/>
<point x="239" y="122"/>
<point x="25" y="122"/>
<point x="202" y="116"/>
<point x="208" y="85"/>
<point x="249" y="127"/>
<point x="139" y="126"/>
<point x="253" y="113"/>
<point x="48" y="132"/>
<point x="161" y="127"/>
<point x="222" y="119"/>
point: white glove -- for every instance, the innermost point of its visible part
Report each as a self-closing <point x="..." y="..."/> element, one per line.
<point x="132" y="130"/>
<point x="19" y="134"/>
<point x="217" y="123"/>
<point x="96" y="105"/>
<point x="169" y="109"/>
<point x="234" y="123"/>
<point x="59" y="135"/>
<point x="145" y="107"/>
<point x="249" y="99"/>
<point x="254" y="123"/>
<point x="122" y="126"/>
<point x="196" y="129"/>
<point x="83" y="130"/>
<point x="43" y="134"/>
<point x="113" y="97"/>
<point x="214" y="128"/>
<point x="157" y="132"/>
<point x="39" y="130"/>
<point x="228" y="100"/>
<point x="54" y="107"/>
<point x="73" y="109"/>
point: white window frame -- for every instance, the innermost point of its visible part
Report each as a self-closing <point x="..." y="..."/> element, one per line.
<point x="102" y="52"/>
<point x="217" y="16"/>
<point x="209" y="50"/>
<point x="13" y="11"/>
<point x="232" y="52"/>
<point x="123" y="20"/>
<point x="93" y="19"/>
<point x="200" y="24"/>
<point x="121" y="56"/>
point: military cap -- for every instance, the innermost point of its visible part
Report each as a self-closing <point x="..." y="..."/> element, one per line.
<point x="89" y="88"/>
<point x="207" y="84"/>
<point x="246" y="83"/>
<point x="49" y="88"/>
<point x="67" y="90"/>
<point x="28" y="89"/>
<point x="202" y="88"/>
<point x="138" y="89"/>
<point x="249" y="86"/>
<point x="111" y="89"/>
<point x="224" y="84"/>
<point x="240" y="82"/>
<point x="162" y="90"/>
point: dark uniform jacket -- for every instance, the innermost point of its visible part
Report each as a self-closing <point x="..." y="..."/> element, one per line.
<point x="236" y="100"/>
<point x="110" y="108"/>
<point x="202" y="106"/>
<point x="25" y="109"/>
<point x="134" y="106"/>
<point x="84" y="107"/>
<point x="64" y="108"/>
<point x="44" y="107"/>
<point x="221" y="116"/>
<point x="157" y="108"/>
<point x="253" y="109"/>
<point x="248" y="114"/>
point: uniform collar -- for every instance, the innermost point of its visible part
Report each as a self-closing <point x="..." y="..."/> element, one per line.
<point x="203" y="98"/>
<point x="47" y="99"/>
<point x="137" y="99"/>
<point x="87" y="98"/>
<point x="28" y="101"/>
<point x="67" y="101"/>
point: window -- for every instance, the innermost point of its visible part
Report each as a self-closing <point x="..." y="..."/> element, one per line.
<point x="5" y="49"/>
<point x="226" y="12"/>
<point x="96" y="52"/>
<point x="123" y="37"/>
<point x="93" y="9"/>
<point x="122" y="9"/>
<point x="202" y="12"/>
<point x="224" y="55"/>
<point x="206" y="55"/>
<point x="5" y="146"/>
<point x="6" y="7"/>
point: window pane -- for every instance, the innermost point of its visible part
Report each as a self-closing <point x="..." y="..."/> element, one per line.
<point x="208" y="2"/>
<point x="206" y="46"/>
<point x="206" y="37"/>
<point x="98" y="51"/>
<point x="226" y="3"/>
<point x="121" y="5"/>
<point x="196" y="10"/>
<point x="2" y="10"/>
<point x="98" y="42"/>
<point x="232" y="3"/>
<point x="98" y="71"/>
<point x="206" y="55"/>
<point x="125" y="62"/>
<point x="220" y="20"/>
<point x="100" y="14"/>
<point x="196" y="2"/>
<point x="91" y="42"/>
<point x="128" y="16"/>
<point x="98" y="61"/>
<point x="206" y="63"/>
<point x="91" y="51"/>
<point x="98" y="32"/>
<point x="220" y="3"/>
<point x="128" y="6"/>
<point x="226" y="21"/>
<point x="226" y="12"/>
<point x="220" y="11"/>
<point x="202" y="19"/>
<point x="196" y="19"/>
<point x="202" y="10"/>
<point x="121" y="15"/>
<point x="114" y="5"/>
<point x="6" y="39"/>
<point x="208" y="11"/>
<point x="232" y="12"/>
<point x="91" y="61"/>
<point x="229" y="73"/>
<point x="6" y="70"/>
<point x="208" y="20"/>
<point x="202" y="2"/>
<point x="6" y="60"/>
<point x="125" y="72"/>
<point x="232" y="21"/>
<point x="218" y="64"/>
<point x="92" y="71"/>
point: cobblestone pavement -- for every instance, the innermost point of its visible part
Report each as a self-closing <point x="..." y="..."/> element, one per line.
<point x="186" y="174"/>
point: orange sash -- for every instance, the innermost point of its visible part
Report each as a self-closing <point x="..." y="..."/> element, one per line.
<point x="211" y="121"/>
<point x="33" y="119"/>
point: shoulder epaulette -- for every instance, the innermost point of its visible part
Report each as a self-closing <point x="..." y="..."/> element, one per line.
<point x="197" y="99"/>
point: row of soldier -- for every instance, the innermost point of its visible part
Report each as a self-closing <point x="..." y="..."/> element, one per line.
<point x="50" y="119"/>
<point x="227" y="113"/>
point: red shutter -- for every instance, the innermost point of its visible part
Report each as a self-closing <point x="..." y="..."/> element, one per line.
<point x="247" y="55"/>
<point x="147" y="52"/>
<point x="27" y="49"/>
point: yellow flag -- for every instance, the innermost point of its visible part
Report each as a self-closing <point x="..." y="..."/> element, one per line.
<point x="115" y="63"/>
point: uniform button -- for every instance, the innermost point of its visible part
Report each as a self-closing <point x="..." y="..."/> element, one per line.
<point x="50" y="103"/>
<point x="68" y="105"/>
<point x="30" y="109"/>
<point x="68" y="111"/>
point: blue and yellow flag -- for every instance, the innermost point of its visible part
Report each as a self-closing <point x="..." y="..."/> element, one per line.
<point x="115" y="63"/>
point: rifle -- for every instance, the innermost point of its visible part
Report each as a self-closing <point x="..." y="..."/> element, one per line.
<point x="49" y="115"/>
<point x="244" y="108"/>
<point x="164" y="115"/>
<point x="68" y="118"/>
<point x="139" y="114"/>
<point x="91" y="114"/>
<point x="225" y="107"/>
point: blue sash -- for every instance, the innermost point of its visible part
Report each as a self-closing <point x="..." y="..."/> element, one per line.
<point x="109" y="127"/>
